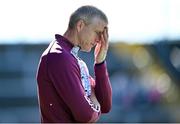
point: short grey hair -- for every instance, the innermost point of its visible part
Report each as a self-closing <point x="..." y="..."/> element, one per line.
<point x="86" y="13"/>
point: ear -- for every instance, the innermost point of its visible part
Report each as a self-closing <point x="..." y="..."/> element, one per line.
<point x="80" y="25"/>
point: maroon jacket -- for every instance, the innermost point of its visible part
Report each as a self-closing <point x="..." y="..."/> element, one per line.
<point x="60" y="91"/>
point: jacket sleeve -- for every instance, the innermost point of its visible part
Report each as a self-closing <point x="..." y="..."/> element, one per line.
<point x="103" y="88"/>
<point x="65" y="75"/>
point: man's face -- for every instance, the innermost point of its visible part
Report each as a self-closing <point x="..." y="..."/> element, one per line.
<point x="89" y="36"/>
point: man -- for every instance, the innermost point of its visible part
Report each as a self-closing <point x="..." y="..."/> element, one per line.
<point x="67" y="93"/>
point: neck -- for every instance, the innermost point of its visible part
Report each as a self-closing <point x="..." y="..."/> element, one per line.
<point x="70" y="34"/>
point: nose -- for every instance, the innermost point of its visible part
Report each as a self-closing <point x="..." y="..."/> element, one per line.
<point x="97" y="40"/>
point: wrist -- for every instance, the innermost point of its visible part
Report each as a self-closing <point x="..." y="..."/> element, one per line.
<point x="100" y="63"/>
<point x="100" y="59"/>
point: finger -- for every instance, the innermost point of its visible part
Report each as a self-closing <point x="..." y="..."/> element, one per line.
<point x="97" y="48"/>
<point x="99" y="36"/>
<point x="107" y="33"/>
<point x="103" y="37"/>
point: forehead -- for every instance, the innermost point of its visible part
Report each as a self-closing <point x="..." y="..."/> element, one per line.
<point x="98" y="24"/>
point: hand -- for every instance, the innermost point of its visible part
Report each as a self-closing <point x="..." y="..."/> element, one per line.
<point x="102" y="47"/>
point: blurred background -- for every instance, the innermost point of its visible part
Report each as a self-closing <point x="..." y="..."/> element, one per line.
<point x="143" y="59"/>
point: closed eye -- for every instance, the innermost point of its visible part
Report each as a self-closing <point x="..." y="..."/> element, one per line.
<point x="98" y="33"/>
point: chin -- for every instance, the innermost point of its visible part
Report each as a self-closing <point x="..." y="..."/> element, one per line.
<point x="86" y="50"/>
